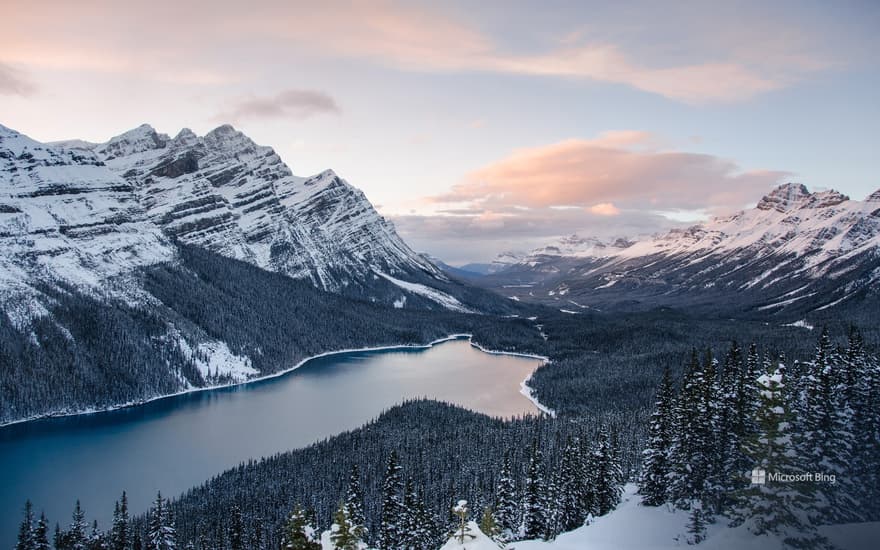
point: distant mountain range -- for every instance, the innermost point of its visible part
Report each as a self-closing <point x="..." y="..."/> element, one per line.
<point x="794" y="252"/>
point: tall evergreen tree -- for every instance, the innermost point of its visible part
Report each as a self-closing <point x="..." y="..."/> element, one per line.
<point x="506" y="515"/>
<point x="161" y="533"/>
<point x="390" y="531"/>
<point x="76" y="537"/>
<point x="298" y="534"/>
<point x="608" y="474"/>
<point x="119" y="530"/>
<point x="41" y="534"/>
<point x="571" y="515"/>
<point x="26" y="530"/>
<point x="654" y="481"/>
<point x="354" y="499"/>
<point x="344" y="534"/>
<point x="534" y="522"/>
<point x="773" y="507"/>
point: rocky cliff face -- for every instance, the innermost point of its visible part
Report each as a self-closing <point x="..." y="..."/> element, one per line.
<point x="65" y="217"/>
<point x="227" y="194"/>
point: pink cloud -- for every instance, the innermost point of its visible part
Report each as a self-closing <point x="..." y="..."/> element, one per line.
<point x="608" y="172"/>
<point x="604" y="209"/>
<point x="106" y="36"/>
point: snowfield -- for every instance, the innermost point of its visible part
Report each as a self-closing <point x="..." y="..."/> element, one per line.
<point x="635" y="527"/>
<point x="432" y="294"/>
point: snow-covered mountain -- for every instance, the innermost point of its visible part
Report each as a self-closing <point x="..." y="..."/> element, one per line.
<point x="795" y="250"/>
<point x="225" y="193"/>
<point x="65" y="217"/>
<point x="108" y="208"/>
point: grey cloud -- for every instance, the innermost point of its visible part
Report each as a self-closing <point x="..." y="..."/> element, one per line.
<point x="292" y="103"/>
<point x="13" y="82"/>
<point x="444" y="235"/>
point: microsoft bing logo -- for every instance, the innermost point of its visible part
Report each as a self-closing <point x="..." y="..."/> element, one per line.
<point x="759" y="476"/>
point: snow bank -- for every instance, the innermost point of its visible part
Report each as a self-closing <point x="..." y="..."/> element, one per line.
<point x="445" y="300"/>
<point x="479" y="542"/>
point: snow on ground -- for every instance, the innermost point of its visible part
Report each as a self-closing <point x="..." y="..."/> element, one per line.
<point x="479" y="542"/>
<point x="802" y="324"/>
<point x="853" y="536"/>
<point x="635" y="527"/>
<point x="432" y="294"/>
<point x="214" y="359"/>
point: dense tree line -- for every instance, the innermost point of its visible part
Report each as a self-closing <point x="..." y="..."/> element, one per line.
<point x="815" y="423"/>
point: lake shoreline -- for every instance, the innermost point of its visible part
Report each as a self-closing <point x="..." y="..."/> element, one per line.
<point x="525" y="389"/>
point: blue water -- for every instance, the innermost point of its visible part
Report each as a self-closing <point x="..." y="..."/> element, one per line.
<point x="175" y="443"/>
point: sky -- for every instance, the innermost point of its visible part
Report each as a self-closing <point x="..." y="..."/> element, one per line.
<point x="479" y="127"/>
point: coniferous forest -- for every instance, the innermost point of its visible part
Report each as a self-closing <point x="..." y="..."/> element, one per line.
<point x="690" y="432"/>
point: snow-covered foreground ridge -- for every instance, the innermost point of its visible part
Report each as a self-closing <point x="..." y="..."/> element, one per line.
<point x="242" y="365"/>
<point x="633" y="526"/>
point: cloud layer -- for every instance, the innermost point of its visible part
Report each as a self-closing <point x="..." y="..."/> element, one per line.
<point x="405" y="36"/>
<point x="13" y="82"/>
<point x="611" y="173"/>
<point x="296" y="104"/>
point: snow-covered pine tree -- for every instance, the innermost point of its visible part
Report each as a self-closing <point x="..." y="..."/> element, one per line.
<point x="552" y="504"/>
<point x="425" y="532"/>
<point x="161" y="534"/>
<point x="691" y="450"/>
<point x="506" y="515"/>
<point x="654" y="480"/>
<point x="725" y="439"/>
<point x="76" y="538"/>
<point x="488" y="525"/>
<point x="409" y="516"/>
<point x="859" y="379"/>
<point x="607" y="472"/>
<point x="26" y="529"/>
<point x="587" y="480"/>
<point x="41" y="534"/>
<point x="570" y="513"/>
<point x="390" y="530"/>
<point x="773" y="507"/>
<point x="298" y="534"/>
<point x="824" y="439"/>
<point x="119" y="529"/>
<point x="463" y="532"/>
<point x="97" y="538"/>
<point x="534" y="517"/>
<point x="354" y="499"/>
<point x="344" y="534"/>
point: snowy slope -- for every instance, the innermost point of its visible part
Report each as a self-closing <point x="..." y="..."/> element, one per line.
<point x="635" y="527"/>
<point x="795" y="251"/>
<point x="64" y="216"/>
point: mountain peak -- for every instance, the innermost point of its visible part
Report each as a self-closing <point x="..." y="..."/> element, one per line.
<point x="873" y="197"/>
<point x="785" y="197"/>
<point x="137" y="140"/>
<point x="222" y="130"/>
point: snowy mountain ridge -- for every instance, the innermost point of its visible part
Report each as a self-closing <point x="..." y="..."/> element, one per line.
<point x="225" y="193"/>
<point x="65" y="217"/>
<point x="84" y="213"/>
<point x="793" y="246"/>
